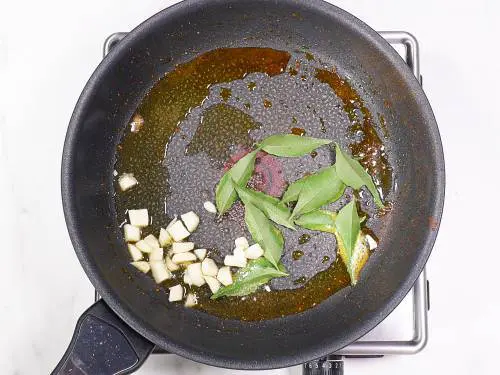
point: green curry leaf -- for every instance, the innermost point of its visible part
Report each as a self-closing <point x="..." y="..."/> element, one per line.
<point x="257" y="273"/>
<point x="348" y="227"/>
<point x="352" y="173"/>
<point x="321" y="220"/>
<point x="264" y="233"/>
<point x="289" y="145"/>
<point x="292" y="192"/>
<point x="319" y="189"/>
<point x="240" y="173"/>
<point x="270" y="206"/>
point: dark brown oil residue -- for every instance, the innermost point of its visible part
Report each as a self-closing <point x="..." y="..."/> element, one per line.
<point x="300" y="280"/>
<point x="370" y="150"/>
<point x="304" y="238"/>
<point x="225" y="93"/>
<point x="383" y="125"/>
<point x="297" y="254"/>
<point x="266" y="305"/>
<point x="323" y="127"/>
<point x="309" y="56"/>
<point x="298" y="131"/>
<point x="267" y="103"/>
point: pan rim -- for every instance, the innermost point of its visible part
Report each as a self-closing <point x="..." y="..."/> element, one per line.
<point x="141" y="326"/>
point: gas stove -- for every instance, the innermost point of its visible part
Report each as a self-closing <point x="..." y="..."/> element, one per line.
<point x="405" y="330"/>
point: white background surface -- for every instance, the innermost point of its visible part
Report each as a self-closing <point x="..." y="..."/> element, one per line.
<point x="48" y="49"/>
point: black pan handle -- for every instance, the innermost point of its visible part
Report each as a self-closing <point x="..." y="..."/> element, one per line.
<point x="331" y="365"/>
<point x="103" y="344"/>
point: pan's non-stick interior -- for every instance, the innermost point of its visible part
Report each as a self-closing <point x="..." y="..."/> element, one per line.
<point x="208" y="112"/>
<point x="179" y="34"/>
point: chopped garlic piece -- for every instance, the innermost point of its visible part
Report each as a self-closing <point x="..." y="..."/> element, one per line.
<point x="183" y="258"/>
<point x="159" y="271"/>
<point x="172" y="222"/>
<point x="201" y="253"/>
<point x="139" y="218"/>
<point x="171" y="265"/>
<point x="372" y="244"/>
<point x="156" y="254"/>
<point x="213" y="284"/>
<point x="224" y="276"/>
<point x="175" y="293"/>
<point x="210" y="207"/>
<point x="137" y="123"/>
<point x="164" y="238"/>
<point x="195" y="275"/>
<point x="254" y="252"/>
<point x="131" y="233"/>
<point x="239" y="253"/>
<point x="234" y="261"/>
<point x="191" y="221"/>
<point x="241" y="242"/>
<point x="209" y="268"/>
<point x="144" y="246"/>
<point x="127" y="181"/>
<point x="152" y="241"/>
<point x="187" y="279"/>
<point x="135" y="253"/>
<point x="267" y="288"/>
<point x="141" y="266"/>
<point x="191" y="300"/>
<point x="182" y="247"/>
<point x="178" y="231"/>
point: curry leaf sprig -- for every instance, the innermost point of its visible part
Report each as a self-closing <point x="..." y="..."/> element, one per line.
<point x="310" y="193"/>
<point x="314" y="191"/>
<point x="287" y="145"/>
<point x="260" y="210"/>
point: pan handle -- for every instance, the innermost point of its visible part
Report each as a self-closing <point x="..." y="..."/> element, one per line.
<point x="330" y="365"/>
<point x="103" y="344"/>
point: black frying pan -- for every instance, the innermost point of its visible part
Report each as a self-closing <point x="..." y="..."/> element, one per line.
<point x="118" y="333"/>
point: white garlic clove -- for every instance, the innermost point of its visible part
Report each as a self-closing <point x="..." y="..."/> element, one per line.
<point x="141" y="266"/>
<point x="241" y="242"/>
<point x="135" y="253"/>
<point x="191" y="221"/>
<point x="183" y="258"/>
<point x="209" y="268"/>
<point x="200" y="253"/>
<point x="224" y="276"/>
<point x="182" y="247"/>
<point x="253" y="252"/>
<point x="131" y="233"/>
<point x="178" y="231"/>
<point x="213" y="284"/>
<point x="175" y="293"/>
<point x="139" y="218"/>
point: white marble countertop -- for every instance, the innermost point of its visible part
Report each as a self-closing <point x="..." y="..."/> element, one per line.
<point x="49" y="49"/>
